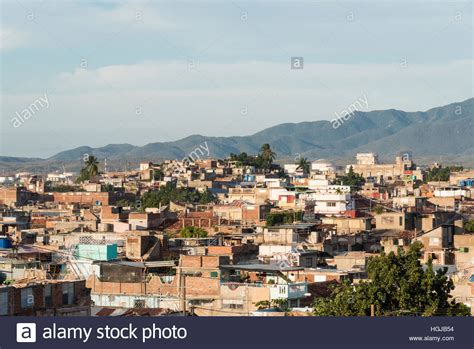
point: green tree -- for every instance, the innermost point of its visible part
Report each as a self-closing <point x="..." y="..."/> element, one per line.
<point x="286" y="217"/>
<point x="92" y="165"/>
<point x="399" y="285"/>
<point x="470" y="226"/>
<point x="107" y="188"/>
<point x="158" y="175"/>
<point x="91" y="168"/>
<point x="279" y="304"/>
<point x="169" y="192"/>
<point x="241" y="159"/>
<point x="122" y="203"/>
<point x="353" y="179"/>
<point x="62" y="188"/>
<point x="267" y="156"/>
<point x="303" y="164"/>
<point x="263" y="305"/>
<point x="441" y="173"/>
<point x="193" y="232"/>
<point x="378" y="209"/>
<point x="207" y="197"/>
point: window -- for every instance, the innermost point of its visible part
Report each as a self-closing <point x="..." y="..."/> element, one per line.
<point x="232" y="304"/>
<point x="68" y="293"/>
<point x="4" y="302"/>
<point x="330" y="204"/>
<point x="400" y="221"/>
<point x="434" y="241"/>
<point x="293" y="303"/>
<point x="27" y="298"/>
<point x="48" y="298"/>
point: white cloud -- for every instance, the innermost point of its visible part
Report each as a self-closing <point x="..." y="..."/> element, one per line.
<point x="251" y="77"/>
<point x="176" y="101"/>
<point x="11" y="39"/>
<point x="140" y="14"/>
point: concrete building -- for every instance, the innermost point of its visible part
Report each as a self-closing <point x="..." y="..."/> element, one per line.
<point x="45" y="298"/>
<point x="438" y="244"/>
<point x="368" y="166"/>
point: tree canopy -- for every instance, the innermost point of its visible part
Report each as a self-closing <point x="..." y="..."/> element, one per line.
<point x="441" y="173"/>
<point x="303" y="164"/>
<point x="267" y="155"/>
<point x="398" y="286"/>
<point x="470" y="226"/>
<point x="91" y="168"/>
<point x="158" y="175"/>
<point x="169" y="193"/>
<point x="193" y="232"/>
<point x="353" y="179"/>
<point x="286" y="217"/>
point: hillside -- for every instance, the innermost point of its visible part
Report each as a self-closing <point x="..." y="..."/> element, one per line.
<point x="444" y="132"/>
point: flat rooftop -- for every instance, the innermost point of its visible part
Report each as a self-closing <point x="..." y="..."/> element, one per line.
<point x="265" y="268"/>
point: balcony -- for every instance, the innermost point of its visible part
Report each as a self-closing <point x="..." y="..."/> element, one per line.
<point x="288" y="291"/>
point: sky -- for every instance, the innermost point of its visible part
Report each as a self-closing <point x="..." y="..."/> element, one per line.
<point x="77" y="73"/>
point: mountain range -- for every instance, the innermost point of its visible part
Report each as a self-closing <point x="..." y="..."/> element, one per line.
<point x="443" y="133"/>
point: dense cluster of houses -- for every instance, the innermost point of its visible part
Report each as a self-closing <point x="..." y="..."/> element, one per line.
<point x="262" y="239"/>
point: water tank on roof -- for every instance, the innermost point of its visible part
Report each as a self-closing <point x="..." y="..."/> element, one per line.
<point x="5" y="242"/>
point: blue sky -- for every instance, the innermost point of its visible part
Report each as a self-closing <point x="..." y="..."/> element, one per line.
<point x="146" y="71"/>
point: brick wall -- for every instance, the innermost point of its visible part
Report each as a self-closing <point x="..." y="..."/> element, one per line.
<point x="84" y="198"/>
<point x="81" y="298"/>
<point x="202" y="261"/>
<point x="153" y="286"/>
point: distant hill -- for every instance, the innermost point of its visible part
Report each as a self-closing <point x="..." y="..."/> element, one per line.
<point x="445" y="132"/>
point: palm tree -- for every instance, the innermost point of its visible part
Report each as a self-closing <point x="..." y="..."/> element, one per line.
<point x="92" y="166"/>
<point x="267" y="154"/>
<point x="303" y="164"/>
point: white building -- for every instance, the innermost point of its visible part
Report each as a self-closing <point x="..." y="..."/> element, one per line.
<point x="7" y="179"/>
<point x="367" y="159"/>
<point x="452" y="192"/>
<point x="323" y="165"/>
<point x="330" y="199"/>
<point x="64" y="177"/>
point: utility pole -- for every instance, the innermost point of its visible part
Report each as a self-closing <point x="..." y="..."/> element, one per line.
<point x="182" y="281"/>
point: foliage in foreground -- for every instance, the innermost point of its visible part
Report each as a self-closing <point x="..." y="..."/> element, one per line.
<point x="398" y="286"/>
